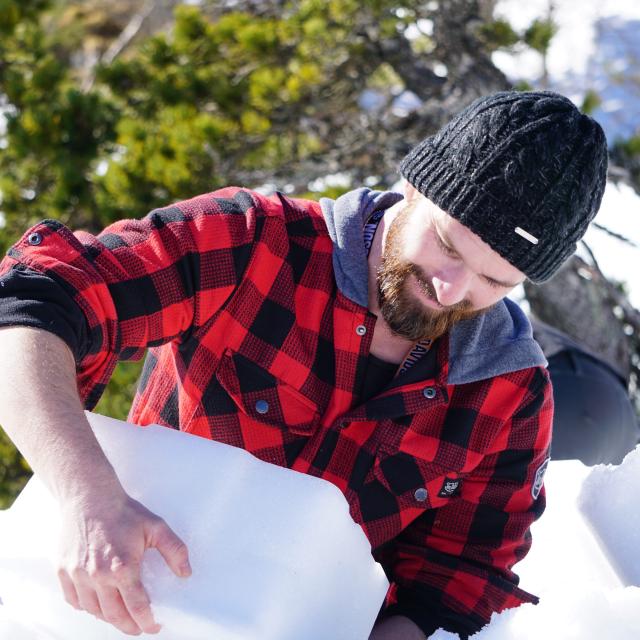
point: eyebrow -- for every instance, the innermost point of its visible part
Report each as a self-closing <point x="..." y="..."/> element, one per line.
<point x="447" y="241"/>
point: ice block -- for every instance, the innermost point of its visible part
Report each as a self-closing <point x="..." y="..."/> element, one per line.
<point x="610" y="501"/>
<point x="275" y="553"/>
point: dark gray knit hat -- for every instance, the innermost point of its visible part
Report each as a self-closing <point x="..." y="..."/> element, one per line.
<point x="525" y="171"/>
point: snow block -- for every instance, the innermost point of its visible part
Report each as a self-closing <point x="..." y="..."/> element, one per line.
<point x="275" y="553"/>
<point x="610" y="501"/>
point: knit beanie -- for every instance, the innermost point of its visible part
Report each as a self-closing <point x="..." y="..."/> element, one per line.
<point x="525" y="171"/>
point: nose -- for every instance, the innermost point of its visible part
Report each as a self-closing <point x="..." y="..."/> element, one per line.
<point x="452" y="286"/>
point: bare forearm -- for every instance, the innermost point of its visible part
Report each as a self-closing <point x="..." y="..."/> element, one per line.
<point x="42" y="413"/>
<point x="104" y="532"/>
<point x="396" y="628"/>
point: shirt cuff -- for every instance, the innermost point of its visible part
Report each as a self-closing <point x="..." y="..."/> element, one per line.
<point x="35" y="300"/>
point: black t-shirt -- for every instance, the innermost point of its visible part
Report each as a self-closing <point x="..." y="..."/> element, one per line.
<point x="378" y="375"/>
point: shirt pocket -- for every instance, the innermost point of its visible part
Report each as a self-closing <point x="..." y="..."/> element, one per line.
<point x="264" y="398"/>
<point x="415" y="483"/>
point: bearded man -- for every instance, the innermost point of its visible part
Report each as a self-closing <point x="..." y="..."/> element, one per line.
<point x="367" y="341"/>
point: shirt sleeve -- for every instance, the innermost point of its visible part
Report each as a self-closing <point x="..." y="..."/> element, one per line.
<point x="32" y="299"/>
<point x="138" y="284"/>
<point x="452" y="567"/>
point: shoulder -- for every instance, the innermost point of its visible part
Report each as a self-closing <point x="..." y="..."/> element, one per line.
<point x="301" y="216"/>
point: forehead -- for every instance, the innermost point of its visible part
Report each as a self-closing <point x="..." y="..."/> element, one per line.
<point x="471" y="247"/>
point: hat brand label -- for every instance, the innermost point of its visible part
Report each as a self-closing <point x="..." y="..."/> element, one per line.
<point x="526" y="235"/>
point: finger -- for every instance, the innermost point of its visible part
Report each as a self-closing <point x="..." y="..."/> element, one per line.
<point x="172" y="549"/>
<point x="115" y="611"/>
<point x="87" y="598"/>
<point x="68" y="589"/>
<point x="138" y="605"/>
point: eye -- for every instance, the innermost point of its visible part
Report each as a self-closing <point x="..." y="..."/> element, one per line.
<point x="446" y="249"/>
<point x="493" y="284"/>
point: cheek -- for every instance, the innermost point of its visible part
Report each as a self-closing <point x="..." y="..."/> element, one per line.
<point x="420" y="249"/>
<point x="485" y="296"/>
<point x="412" y="248"/>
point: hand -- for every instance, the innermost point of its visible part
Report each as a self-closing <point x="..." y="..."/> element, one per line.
<point x="103" y="542"/>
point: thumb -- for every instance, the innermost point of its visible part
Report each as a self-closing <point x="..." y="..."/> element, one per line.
<point x="172" y="549"/>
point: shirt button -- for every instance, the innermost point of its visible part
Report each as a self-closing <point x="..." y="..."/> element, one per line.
<point x="421" y="494"/>
<point x="429" y="392"/>
<point x="361" y="329"/>
<point x="262" y="406"/>
<point x="34" y="238"/>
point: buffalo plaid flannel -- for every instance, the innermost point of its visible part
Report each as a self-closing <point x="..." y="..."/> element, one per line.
<point x="252" y="344"/>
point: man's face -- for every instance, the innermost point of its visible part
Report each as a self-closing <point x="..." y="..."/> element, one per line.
<point x="435" y="272"/>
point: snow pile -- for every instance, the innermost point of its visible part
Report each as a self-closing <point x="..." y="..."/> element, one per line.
<point x="610" y="499"/>
<point x="287" y="562"/>
<point x="592" y="614"/>
<point x="275" y="553"/>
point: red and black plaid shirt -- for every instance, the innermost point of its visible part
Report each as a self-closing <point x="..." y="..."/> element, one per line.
<point x="252" y="344"/>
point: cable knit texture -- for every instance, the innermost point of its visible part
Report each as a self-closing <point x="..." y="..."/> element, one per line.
<point x="527" y="160"/>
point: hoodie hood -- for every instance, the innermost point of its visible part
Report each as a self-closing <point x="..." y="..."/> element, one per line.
<point x="496" y="342"/>
<point x="345" y="218"/>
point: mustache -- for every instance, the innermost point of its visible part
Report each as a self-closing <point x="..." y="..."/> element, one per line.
<point x="405" y="315"/>
<point x="425" y="283"/>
